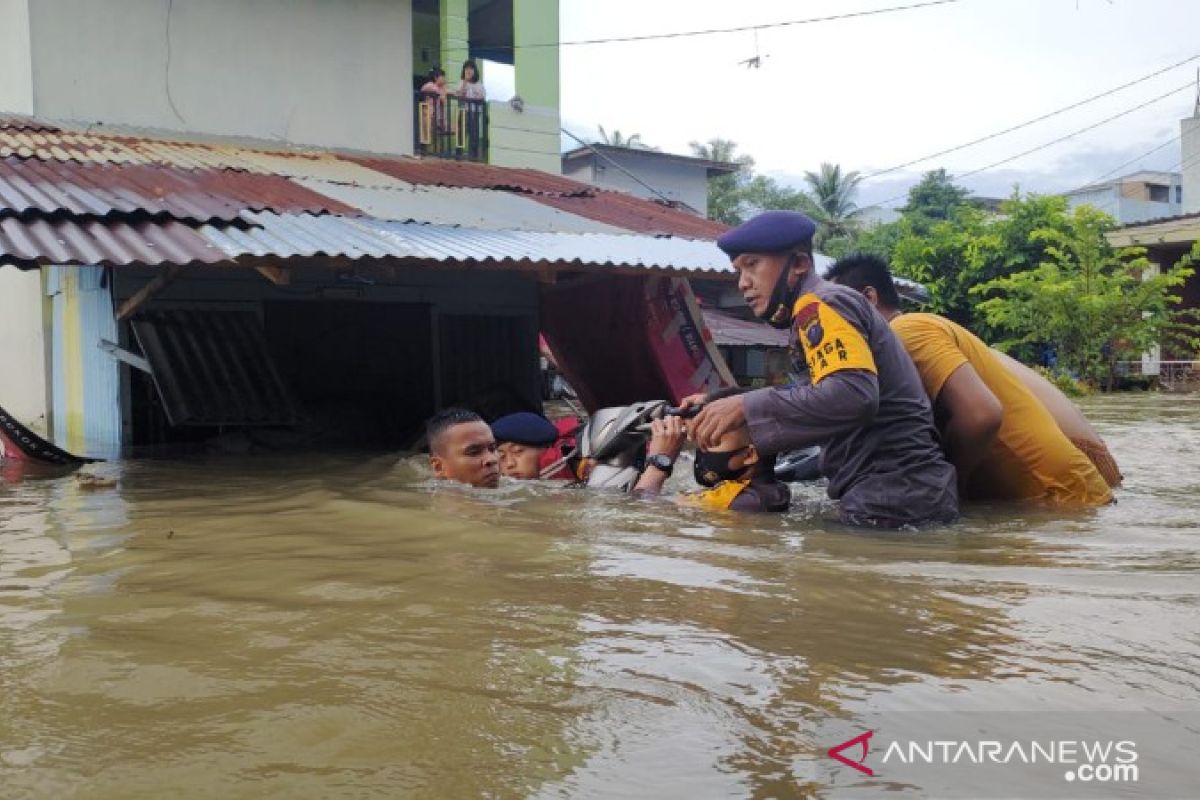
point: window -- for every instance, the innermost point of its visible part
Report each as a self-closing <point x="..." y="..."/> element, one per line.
<point x="1159" y="193"/>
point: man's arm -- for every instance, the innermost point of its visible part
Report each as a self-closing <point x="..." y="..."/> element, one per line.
<point x="666" y="438"/>
<point x="787" y="418"/>
<point x="970" y="416"/>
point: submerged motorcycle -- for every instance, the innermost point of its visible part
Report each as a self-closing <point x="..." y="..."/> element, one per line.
<point x="610" y="449"/>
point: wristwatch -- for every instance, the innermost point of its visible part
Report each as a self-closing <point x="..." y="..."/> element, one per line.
<point x="662" y="461"/>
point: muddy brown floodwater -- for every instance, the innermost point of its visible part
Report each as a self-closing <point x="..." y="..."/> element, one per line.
<point x="335" y="626"/>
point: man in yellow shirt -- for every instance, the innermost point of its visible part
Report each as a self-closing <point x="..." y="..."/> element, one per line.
<point x="1003" y="441"/>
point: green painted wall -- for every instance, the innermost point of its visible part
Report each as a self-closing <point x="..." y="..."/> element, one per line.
<point x="531" y="138"/>
<point x="455" y="23"/>
<point x="536" y="22"/>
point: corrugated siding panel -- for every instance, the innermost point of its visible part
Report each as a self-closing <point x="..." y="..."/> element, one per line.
<point x="85" y="382"/>
<point x="213" y="367"/>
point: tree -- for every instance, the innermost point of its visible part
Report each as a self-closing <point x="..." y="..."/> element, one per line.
<point x="725" y="192"/>
<point x="831" y="204"/>
<point x="935" y="198"/>
<point x="1094" y="304"/>
<point x="616" y="139"/>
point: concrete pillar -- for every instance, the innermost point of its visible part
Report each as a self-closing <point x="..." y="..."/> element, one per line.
<point x="16" y="61"/>
<point x="1190" y="144"/>
<point x="455" y="29"/>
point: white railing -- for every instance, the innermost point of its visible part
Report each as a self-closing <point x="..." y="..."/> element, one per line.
<point x="1173" y="376"/>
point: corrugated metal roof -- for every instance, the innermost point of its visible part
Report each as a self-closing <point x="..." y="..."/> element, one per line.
<point x="472" y="208"/>
<point x="467" y="174"/>
<point x="634" y="214"/>
<point x="103" y="190"/>
<point x="153" y="243"/>
<point x="730" y="331"/>
<point x="290" y="236"/>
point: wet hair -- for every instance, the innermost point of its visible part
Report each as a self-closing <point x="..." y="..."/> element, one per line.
<point x="470" y="62"/>
<point x="860" y="270"/>
<point x="766" y="461"/>
<point x="439" y="423"/>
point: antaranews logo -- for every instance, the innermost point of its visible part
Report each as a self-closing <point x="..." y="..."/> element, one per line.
<point x="1088" y="761"/>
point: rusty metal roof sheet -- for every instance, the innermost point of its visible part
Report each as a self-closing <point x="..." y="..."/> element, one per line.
<point x="102" y="190"/>
<point x="298" y="236"/>
<point x="467" y="174"/>
<point x="40" y="241"/>
<point x="730" y="331"/>
<point x="473" y="208"/>
<point x="635" y="214"/>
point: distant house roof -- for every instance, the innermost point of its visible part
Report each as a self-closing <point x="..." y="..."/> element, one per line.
<point x="1142" y="176"/>
<point x="713" y="167"/>
<point x="78" y="194"/>
<point x="730" y="331"/>
<point x="1180" y="229"/>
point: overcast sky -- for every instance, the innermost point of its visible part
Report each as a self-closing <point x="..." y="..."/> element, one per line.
<point x="873" y="92"/>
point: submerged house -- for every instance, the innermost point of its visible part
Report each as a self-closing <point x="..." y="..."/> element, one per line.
<point x="238" y="223"/>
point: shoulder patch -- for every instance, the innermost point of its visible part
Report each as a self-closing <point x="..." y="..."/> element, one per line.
<point x="830" y="342"/>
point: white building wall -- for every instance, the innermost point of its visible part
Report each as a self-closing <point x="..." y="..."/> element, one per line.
<point x="677" y="180"/>
<point x="22" y="347"/>
<point x="16" y="75"/>
<point x="1190" y="142"/>
<point x="318" y="72"/>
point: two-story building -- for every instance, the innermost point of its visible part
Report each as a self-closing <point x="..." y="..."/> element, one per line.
<point x="245" y="213"/>
<point x="650" y="174"/>
<point x="1133" y="198"/>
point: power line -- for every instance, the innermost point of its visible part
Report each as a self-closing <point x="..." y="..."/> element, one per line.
<point x="1134" y="160"/>
<point x="1033" y="121"/>
<point x="647" y="186"/>
<point x="1058" y="140"/>
<point x="739" y="29"/>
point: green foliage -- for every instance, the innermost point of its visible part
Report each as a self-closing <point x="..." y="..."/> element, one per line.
<point x="830" y="202"/>
<point x="935" y="198"/>
<point x="726" y="193"/>
<point x="1071" y="387"/>
<point x="1096" y="305"/>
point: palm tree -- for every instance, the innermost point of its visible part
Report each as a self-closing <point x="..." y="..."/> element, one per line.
<point x="726" y="192"/>
<point x="615" y="139"/>
<point x="831" y="202"/>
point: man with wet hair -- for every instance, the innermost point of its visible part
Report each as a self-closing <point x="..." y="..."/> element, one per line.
<point x="462" y="448"/>
<point x="863" y="403"/>
<point x="1002" y="440"/>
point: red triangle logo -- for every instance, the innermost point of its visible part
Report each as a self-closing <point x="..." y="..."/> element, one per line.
<point x="835" y="752"/>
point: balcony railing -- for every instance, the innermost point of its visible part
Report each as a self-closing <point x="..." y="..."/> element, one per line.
<point x="449" y="126"/>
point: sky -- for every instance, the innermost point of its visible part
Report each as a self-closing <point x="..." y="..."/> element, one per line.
<point x="874" y="92"/>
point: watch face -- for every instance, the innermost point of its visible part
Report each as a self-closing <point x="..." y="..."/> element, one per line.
<point x="663" y="462"/>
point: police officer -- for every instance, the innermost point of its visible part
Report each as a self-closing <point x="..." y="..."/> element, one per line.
<point x="864" y="402"/>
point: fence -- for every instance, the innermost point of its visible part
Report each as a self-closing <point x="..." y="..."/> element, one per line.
<point x="449" y="126"/>
<point x="1173" y="376"/>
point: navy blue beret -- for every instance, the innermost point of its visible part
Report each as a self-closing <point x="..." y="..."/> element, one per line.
<point x="526" y="428"/>
<point x="769" y="232"/>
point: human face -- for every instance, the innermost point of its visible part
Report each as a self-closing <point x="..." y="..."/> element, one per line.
<point x="467" y="453"/>
<point x="757" y="275"/>
<point x="468" y="73"/>
<point x="520" y="461"/>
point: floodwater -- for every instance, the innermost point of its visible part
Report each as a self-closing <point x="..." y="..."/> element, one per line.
<point x="331" y="626"/>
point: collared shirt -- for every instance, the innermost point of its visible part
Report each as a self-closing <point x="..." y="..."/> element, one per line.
<point x="867" y="409"/>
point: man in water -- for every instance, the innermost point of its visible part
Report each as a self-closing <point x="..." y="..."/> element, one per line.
<point x="462" y="448"/>
<point x="1001" y="439"/>
<point x="526" y="443"/>
<point x="737" y="476"/>
<point x="864" y="405"/>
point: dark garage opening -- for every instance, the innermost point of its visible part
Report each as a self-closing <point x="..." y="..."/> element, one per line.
<point x="361" y="372"/>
